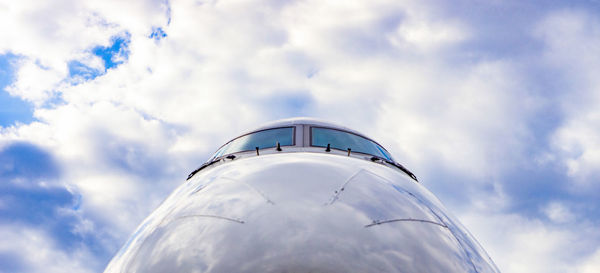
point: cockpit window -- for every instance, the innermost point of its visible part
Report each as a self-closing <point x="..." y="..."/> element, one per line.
<point x="261" y="139"/>
<point x="342" y="140"/>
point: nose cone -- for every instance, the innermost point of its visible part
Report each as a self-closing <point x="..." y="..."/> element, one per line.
<point x="295" y="213"/>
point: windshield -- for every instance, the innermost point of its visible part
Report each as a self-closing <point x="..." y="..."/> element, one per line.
<point x="261" y="139"/>
<point x="341" y="140"/>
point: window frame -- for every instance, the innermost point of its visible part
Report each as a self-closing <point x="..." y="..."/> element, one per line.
<point x="310" y="134"/>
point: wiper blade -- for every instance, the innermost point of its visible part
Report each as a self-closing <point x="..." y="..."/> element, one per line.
<point x="402" y="168"/>
<point x="202" y="167"/>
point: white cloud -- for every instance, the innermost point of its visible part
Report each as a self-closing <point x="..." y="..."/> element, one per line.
<point x="572" y="47"/>
<point x="558" y="212"/>
<point x="50" y="34"/>
<point x="591" y="265"/>
<point x="37" y="252"/>
<point x="578" y="144"/>
<point x="35" y="82"/>
<point x="452" y="121"/>
<point x="521" y="244"/>
<point x="428" y="36"/>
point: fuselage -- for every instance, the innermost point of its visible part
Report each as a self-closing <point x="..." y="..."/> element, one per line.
<point x="301" y="208"/>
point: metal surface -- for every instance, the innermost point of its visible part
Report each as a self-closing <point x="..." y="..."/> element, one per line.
<point x="301" y="212"/>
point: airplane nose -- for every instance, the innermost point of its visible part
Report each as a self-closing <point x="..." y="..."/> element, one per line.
<point x="300" y="214"/>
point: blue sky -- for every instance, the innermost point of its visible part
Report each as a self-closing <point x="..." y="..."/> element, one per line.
<point x="13" y="108"/>
<point x="106" y="106"/>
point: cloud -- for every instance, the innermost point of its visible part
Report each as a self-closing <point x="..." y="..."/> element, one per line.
<point x="558" y="212"/>
<point x="23" y="161"/>
<point x="74" y="33"/>
<point x="425" y="35"/>
<point x="27" y="249"/>
<point x="571" y="40"/>
<point x="39" y="216"/>
<point x="529" y="245"/>
<point x="591" y="264"/>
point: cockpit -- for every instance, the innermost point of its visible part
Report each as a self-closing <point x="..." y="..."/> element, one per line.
<point x="304" y="135"/>
<point x="329" y="138"/>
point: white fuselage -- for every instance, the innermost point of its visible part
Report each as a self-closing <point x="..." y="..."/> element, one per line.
<point x="301" y="210"/>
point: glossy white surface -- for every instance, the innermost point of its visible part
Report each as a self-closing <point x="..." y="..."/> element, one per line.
<point x="301" y="212"/>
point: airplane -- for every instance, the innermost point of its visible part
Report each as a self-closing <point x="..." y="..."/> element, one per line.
<point x="301" y="195"/>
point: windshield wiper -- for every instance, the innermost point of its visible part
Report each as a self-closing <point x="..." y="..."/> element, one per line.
<point x="402" y="168"/>
<point x="202" y="167"/>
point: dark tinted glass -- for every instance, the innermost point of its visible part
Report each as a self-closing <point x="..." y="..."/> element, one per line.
<point x="260" y="139"/>
<point x="343" y="140"/>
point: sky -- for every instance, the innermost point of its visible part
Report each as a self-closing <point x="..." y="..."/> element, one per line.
<point x="106" y="106"/>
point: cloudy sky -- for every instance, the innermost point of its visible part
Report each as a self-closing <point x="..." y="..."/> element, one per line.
<point x="106" y="106"/>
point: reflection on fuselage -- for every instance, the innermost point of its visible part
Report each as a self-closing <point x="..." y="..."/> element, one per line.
<point x="301" y="212"/>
